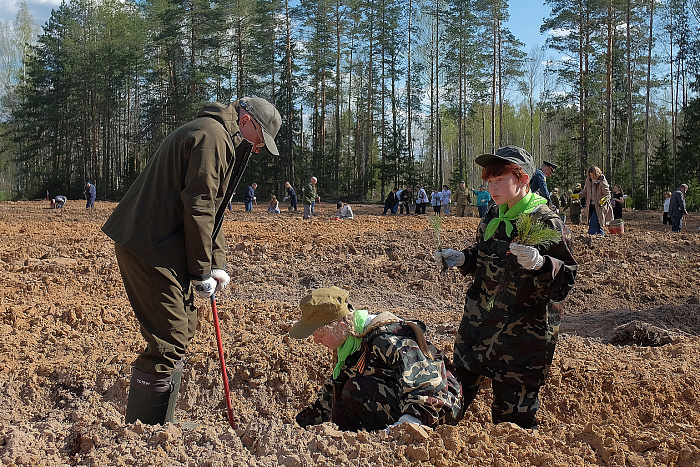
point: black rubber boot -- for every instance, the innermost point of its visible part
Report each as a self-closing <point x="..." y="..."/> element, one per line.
<point x="152" y="398"/>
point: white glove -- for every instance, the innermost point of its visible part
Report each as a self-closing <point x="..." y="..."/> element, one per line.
<point x="221" y="278"/>
<point x="447" y="258"/>
<point x="255" y="198"/>
<point x="405" y="418"/>
<point x="205" y="289"/>
<point x="528" y="256"/>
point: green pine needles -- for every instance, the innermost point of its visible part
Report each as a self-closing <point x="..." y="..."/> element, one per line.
<point x="535" y="233"/>
<point x="532" y="233"/>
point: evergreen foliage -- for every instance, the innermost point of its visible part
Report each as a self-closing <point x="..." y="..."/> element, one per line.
<point x="372" y="94"/>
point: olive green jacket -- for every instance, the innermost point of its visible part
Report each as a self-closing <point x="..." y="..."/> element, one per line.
<point x="171" y="216"/>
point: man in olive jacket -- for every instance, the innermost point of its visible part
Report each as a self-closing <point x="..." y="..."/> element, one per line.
<point x="169" y="243"/>
<point x="464" y="198"/>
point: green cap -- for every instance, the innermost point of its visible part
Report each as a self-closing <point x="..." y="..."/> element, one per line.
<point x="320" y="307"/>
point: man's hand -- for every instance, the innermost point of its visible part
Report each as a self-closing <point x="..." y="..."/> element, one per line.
<point x="448" y="258"/>
<point x="206" y="288"/>
<point x="528" y="256"/>
<point x="221" y="277"/>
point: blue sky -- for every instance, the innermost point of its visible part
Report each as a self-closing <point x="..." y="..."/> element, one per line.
<point x="525" y="20"/>
<point x="525" y="17"/>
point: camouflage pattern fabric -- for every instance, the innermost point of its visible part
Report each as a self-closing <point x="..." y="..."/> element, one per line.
<point x="513" y="342"/>
<point x="511" y="402"/>
<point x="387" y="377"/>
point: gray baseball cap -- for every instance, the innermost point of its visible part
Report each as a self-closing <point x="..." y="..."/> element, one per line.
<point x="267" y="117"/>
<point x="513" y="154"/>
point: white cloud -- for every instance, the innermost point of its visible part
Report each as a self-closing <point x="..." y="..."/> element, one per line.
<point x="559" y="32"/>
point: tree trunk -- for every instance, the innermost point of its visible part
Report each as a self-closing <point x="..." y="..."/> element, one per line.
<point x="647" y="105"/>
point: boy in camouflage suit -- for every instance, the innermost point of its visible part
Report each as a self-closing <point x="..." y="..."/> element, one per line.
<point x="511" y="341"/>
<point x="386" y="372"/>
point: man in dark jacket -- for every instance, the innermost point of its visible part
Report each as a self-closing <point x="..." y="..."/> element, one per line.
<point x="90" y="193"/>
<point x="677" y="208"/>
<point x="392" y="202"/>
<point x="404" y="200"/>
<point x="249" y="197"/>
<point x="169" y="243"/>
<point x="538" y="183"/>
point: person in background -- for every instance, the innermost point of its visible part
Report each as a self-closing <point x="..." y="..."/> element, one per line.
<point x="169" y="243"/>
<point x="463" y="197"/>
<point x="483" y="198"/>
<point x="274" y="206"/>
<point x="436" y="201"/>
<point x="618" y="201"/>
<point x="555" y="200"/>
<point x="249" y="197"/>
<point x="385" y="371"/>
<point x="575" y="205"/>
<point x="538" y="184"/>
<point x="58" y="202"/>
<point x="90" y="195"/>
<point x="446" y="199"/>
<point x="597" y="194"/>
<point x="310" y="197"/>
<point x="405" y="200"/>
<point x="421" y="201"/>
<point x="344" y="211"/>
<point x="291" y="196"/>
<point x="565" y="202"/>
<point x="677" y="208"/>
<point x="666" y="219"/>
<point x="509" y="327"/>
<point x="391" y="203"/>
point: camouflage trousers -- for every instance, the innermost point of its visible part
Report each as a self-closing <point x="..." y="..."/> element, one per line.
<point x="365" y="404"/>
<point x="511" y="402"/>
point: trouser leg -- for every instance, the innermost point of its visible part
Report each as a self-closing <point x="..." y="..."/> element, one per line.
<point x="471" y="382"/>
<point x="368" y="404"/>
<point x="594" y="227"/>
<point x="515" y="403"/>
<point x="307" y="211"/>
<point x="163" y="303"/>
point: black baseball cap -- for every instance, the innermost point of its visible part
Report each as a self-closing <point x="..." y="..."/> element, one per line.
<point x="267" y="117"/>
<point x="512" y="154"/>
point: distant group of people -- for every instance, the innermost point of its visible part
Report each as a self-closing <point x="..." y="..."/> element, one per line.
<point x="59" y="201"/>
<point x="440" y="200"/>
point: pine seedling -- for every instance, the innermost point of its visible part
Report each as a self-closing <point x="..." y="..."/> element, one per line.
<point x="532" y="233"/>
<point x="535" y="233"/>
<point x="436" y="224"/>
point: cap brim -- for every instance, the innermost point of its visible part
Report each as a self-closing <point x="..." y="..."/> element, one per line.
<point x="301" y="330"/>
<point x="485" y="159"/>
<point x="270" y="143"/>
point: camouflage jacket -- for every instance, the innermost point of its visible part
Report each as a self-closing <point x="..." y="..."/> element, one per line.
<point x="513" y="341"/>
<point x="406" y="380"/>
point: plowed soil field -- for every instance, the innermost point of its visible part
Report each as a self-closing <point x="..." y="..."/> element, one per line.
<point x="624" y="388"/>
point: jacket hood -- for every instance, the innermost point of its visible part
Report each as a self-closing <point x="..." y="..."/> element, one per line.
<point x="227" y="115"/>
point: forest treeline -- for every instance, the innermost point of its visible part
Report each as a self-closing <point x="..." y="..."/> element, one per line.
<point x="372" y="93"/>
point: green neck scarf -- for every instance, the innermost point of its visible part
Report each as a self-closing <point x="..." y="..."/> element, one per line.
<point x="352" y="343"/>
<point x="527" y="204"/>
